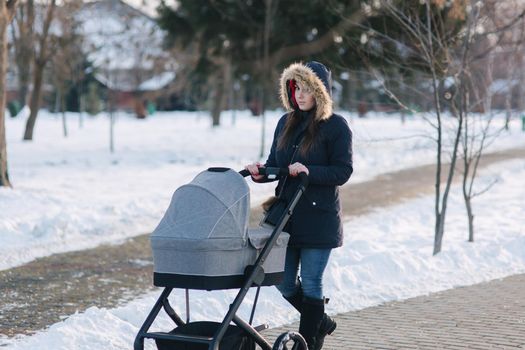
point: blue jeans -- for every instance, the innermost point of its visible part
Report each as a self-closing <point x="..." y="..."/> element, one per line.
<point x="313" y="263"/>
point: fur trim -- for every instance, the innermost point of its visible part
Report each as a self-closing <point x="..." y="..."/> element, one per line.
<point x="306" y="76"/>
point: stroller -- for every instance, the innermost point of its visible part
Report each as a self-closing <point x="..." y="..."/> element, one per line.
<point x="203" y="242"/>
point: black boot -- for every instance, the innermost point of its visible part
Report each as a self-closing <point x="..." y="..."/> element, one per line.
<point x="327" y="327"/>
<point x="311" y="317"/>
<point x="296" y="300"/>
<point x="327" y="324"/>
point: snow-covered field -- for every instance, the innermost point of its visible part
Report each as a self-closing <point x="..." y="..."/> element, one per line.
<point x="72" y="194"/>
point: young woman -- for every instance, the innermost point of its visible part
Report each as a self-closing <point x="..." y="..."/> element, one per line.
<point x="311" y="139"/>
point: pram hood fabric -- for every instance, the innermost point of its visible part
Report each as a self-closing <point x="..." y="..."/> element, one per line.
<point x="204" y="235"/>
<point x="209" y="213"/>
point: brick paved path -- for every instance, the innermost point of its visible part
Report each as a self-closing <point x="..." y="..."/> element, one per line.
<point x="484" y="316"/>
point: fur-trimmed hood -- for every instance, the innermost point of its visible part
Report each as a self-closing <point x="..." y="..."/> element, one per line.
<point x="316" y="77"/>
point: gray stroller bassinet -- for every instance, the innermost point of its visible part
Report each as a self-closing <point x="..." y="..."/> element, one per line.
<point x="203" y="241"/>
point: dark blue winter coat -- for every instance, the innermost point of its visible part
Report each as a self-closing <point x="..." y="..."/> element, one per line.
<point x="316" y="220"/>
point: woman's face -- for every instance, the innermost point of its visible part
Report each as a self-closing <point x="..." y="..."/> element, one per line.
<point x="304" y="97"/>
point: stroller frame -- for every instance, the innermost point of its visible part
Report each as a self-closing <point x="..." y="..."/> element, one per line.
<point x="254" y="276"/>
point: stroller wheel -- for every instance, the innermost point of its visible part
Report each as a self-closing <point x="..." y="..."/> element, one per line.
<point x="296" y="340"/>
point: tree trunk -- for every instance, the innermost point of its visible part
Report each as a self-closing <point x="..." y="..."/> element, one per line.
<point x="263" y="123"/>
<point x="448" y="185"/>
<point x="470" y="215"/>
<point x="233" y="105"/>
<point x="452" y="168"/>
<point x="439" y="230"/>
<point x="402" y="92"/>
<point x="57" y="100"/>
<point x="4" y="177"/>
<point x="80" y="107"/>
<point x="217" y="105"/>
<point x="232" y="102"/>
<point x="468" y="175"/>
<point x="22" y="94"/>
<point x="439" y="227"/>
<point x="218" y="102"/>
<point x="40" y="63"/>
<point x="138" y="106"/>
<point x="24" y="75"/>
<point x="7" y="10"/>
<point x="521" y="80"/>
<point x="34" y="103"/>
<point x="23" y="46"/>
<point x="111" y="132"/>
<point x="111" y="122"/>
<point x="508" y="107"/>
<point x="63" y="110"/>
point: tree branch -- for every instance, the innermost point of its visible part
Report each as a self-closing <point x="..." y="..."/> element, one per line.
<point x="44" y="56"/>
<point x="11" y="7"/>
<point x="508" y="25"/>
<point x="489" y="186"/>
<point x="318" y="45"/>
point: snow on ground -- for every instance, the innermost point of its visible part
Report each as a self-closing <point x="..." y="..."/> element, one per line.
<point x="72" y="193"/>
<point x="387" y="256"/>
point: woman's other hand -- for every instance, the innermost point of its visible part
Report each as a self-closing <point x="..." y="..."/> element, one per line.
<point x="254" y="171"/>
<point x="297" y="168"/>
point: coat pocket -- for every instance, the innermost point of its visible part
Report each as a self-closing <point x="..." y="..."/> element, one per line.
<point x="320" y="201"/>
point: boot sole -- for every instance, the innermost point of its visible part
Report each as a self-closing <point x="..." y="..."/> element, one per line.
<point x="332" y="329"/>
<point x="329" y="331"/>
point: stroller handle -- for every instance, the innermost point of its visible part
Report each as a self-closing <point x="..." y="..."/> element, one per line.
<point x="272" y="173"/>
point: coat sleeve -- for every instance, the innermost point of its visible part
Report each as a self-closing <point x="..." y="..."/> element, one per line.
<point x="340" y="164"/>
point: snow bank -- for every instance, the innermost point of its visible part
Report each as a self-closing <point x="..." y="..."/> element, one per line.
<point x="71" y="193"/>
<point x="387" y="256"/>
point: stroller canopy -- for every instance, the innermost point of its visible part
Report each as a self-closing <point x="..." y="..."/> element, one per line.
<point x="212" y="208"/>
<point x="203" y="240"/>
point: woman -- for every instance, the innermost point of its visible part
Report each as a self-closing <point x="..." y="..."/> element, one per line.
<point x="310" y="139"/>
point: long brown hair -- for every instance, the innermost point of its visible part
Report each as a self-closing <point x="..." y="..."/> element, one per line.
<point x="292" y="122"/>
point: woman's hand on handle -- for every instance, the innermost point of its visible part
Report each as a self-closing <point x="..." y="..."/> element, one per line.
<point x="254" y="171"/>
<point x="297" y="168"/>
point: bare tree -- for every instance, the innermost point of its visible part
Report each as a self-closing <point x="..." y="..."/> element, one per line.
<point x="461" y="104"/>
<point x="500" y="33"/>
<point x="269" y="13"/>
<point x="61" y="71"/>
<point x="68" y="56"/>
<point x="221" y="82"/>
<point x="431" y="38"/>
<point x="111" y="110"/>
<point x="7" y="12"/>
<point x="42" y="57"/>
<point x="436" y="46"/>
<point x="23" y="43"/>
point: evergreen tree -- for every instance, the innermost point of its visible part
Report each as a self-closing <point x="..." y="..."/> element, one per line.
<point x="214" y="34"/>
<point x="345" y="35"/>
